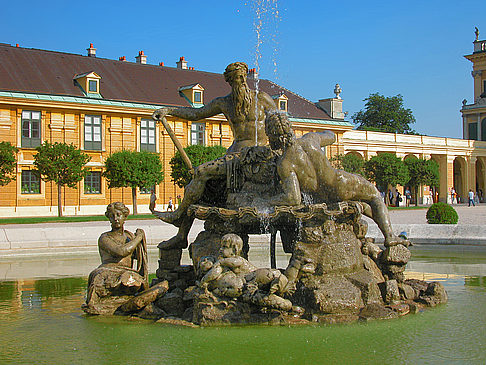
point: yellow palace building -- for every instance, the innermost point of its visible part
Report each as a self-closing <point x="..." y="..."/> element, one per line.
<point x="104" y="105"/>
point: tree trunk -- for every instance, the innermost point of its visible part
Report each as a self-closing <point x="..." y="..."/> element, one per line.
<point x="59" y="201"/>
<point x="134" y="200"/>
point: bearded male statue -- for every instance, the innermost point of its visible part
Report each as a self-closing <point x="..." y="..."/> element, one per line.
<point x="245" y="110"/>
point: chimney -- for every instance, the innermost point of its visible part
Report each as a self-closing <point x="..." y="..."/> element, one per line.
<point x="333" y="106"/>
<point x="17" y="45"/>
<point x="122" y="58"/>
<point x="252" y="73"/>
<point x="91" y="50"/>
<point x="141" y="58"/>
<point x="161" y="64"/>
<point x="182" y="64"/>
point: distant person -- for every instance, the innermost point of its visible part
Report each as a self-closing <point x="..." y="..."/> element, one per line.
<point x="476" y="197"/>
<point x="408" y="197"/>
<point x="471" y="198"/>
<point x="170" y="206"/>
<point x="453" y="195"/>
<point x="398" y="199"/>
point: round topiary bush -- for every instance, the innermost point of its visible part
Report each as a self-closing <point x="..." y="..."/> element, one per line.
<point x="441" y="213"/>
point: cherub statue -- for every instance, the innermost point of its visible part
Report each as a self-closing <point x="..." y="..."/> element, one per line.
<point x="233" y="276"/>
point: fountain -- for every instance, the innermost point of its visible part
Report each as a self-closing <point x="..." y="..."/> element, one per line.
<point x="335" y="274"/>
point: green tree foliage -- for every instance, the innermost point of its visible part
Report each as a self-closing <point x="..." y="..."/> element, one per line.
<point x="350" y="163"/>
<point x="133" y="169"/>
<point x="385" y="114"/>
<point x="441" y="213"/>
<point x="61" y="163"/>
<point x="422" y="172"/>
<point x="8" y="162"/>
<point x="385" y="170"/>
<point x="198" y="155"/>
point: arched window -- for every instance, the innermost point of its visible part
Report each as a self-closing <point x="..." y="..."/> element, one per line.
<point x="483" y="130"/>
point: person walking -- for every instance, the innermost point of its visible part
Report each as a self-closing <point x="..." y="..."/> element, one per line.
<point x="408" y="197"/>
<point x="471" y="198"/>
<point x="170" y="206"/>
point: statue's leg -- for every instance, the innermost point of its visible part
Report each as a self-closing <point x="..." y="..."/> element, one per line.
<point x="180" y="239"/>
<point x="194" y="190"/>
<point x="379" y="213"/>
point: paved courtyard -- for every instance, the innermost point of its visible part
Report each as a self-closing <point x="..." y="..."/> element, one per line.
<point x="467" y="215"/>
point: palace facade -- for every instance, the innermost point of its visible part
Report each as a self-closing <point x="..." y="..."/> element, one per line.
<point x="104" y="105"/>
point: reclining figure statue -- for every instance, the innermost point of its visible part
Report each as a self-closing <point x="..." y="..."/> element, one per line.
<point x="304" y="168"/>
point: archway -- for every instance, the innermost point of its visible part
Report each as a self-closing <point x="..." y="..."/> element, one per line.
<point x="483" y="130"/>
<point x="459" y="178"/>
<point x="480" y="179"/>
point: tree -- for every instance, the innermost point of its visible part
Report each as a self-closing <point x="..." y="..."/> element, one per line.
<point x="422" y="172"/>
<point x="198" y="155"/>
<point x="386" y="169"/>
<point x="62" y="163"/>
<point x="133" y="169"/>
<point x="385" y="114"/>
<point x="350" y="163"/>
<point x="8" y="162"/>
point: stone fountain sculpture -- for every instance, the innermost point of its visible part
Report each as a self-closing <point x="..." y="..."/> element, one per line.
<point x="334" y="274"/>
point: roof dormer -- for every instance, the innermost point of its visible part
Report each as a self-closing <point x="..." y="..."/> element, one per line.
<point x="282" y="102"/>
<point x="89" y="82"/>
<point x="193" y="94"/>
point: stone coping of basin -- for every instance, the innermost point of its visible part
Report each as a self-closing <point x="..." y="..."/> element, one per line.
<point x="303" y="212"/>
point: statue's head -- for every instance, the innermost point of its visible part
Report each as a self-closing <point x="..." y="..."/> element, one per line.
<point x="231" y="245"/>
<point x="279" y="130"/>
<point x="236" y="72"/>
<point x="205" y="264"/>
<point x="117" y="213"/>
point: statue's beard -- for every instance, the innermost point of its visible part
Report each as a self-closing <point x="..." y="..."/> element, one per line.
<point x="241" y="99"/>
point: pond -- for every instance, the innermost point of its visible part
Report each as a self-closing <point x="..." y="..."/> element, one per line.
<point x="41" y="322"/>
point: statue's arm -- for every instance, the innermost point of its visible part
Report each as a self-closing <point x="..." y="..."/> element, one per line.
<point x="290" y="186"/>
<point x="231" y="262"/>
<point x="212" y="274"/>
<point x="326" y="138"/>
<point x="214" y="107"/>
<point x="109" y="245"/>
<point x="267" y="102"/>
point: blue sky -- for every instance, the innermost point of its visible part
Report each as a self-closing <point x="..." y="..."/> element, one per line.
<point x="413" y="48"/>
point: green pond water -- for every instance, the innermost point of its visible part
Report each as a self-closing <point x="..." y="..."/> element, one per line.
<point x="41" y="323"/>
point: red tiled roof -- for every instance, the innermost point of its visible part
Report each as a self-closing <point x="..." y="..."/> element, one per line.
<point x="49" y="72"/>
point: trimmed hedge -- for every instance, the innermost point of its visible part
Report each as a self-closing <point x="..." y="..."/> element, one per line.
<point x="441" y="213"/>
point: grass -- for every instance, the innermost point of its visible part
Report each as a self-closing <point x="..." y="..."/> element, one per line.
<point x="411" y="207"/>
<point x="83" y="218"/>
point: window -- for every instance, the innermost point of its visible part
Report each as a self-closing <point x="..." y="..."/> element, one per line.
<point x="197" y="133"/>
<point x="30" y="182"/>
<point x="147" y="135"/>
<point x="473" y="131"/>
<point x="31" y="129"/>
<point x="92" y="132"/>
<point x="92" y="183"/>
<point x="197" y="97"/>
<point x="92" y="86"/>
<point x="283" y="105"/>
